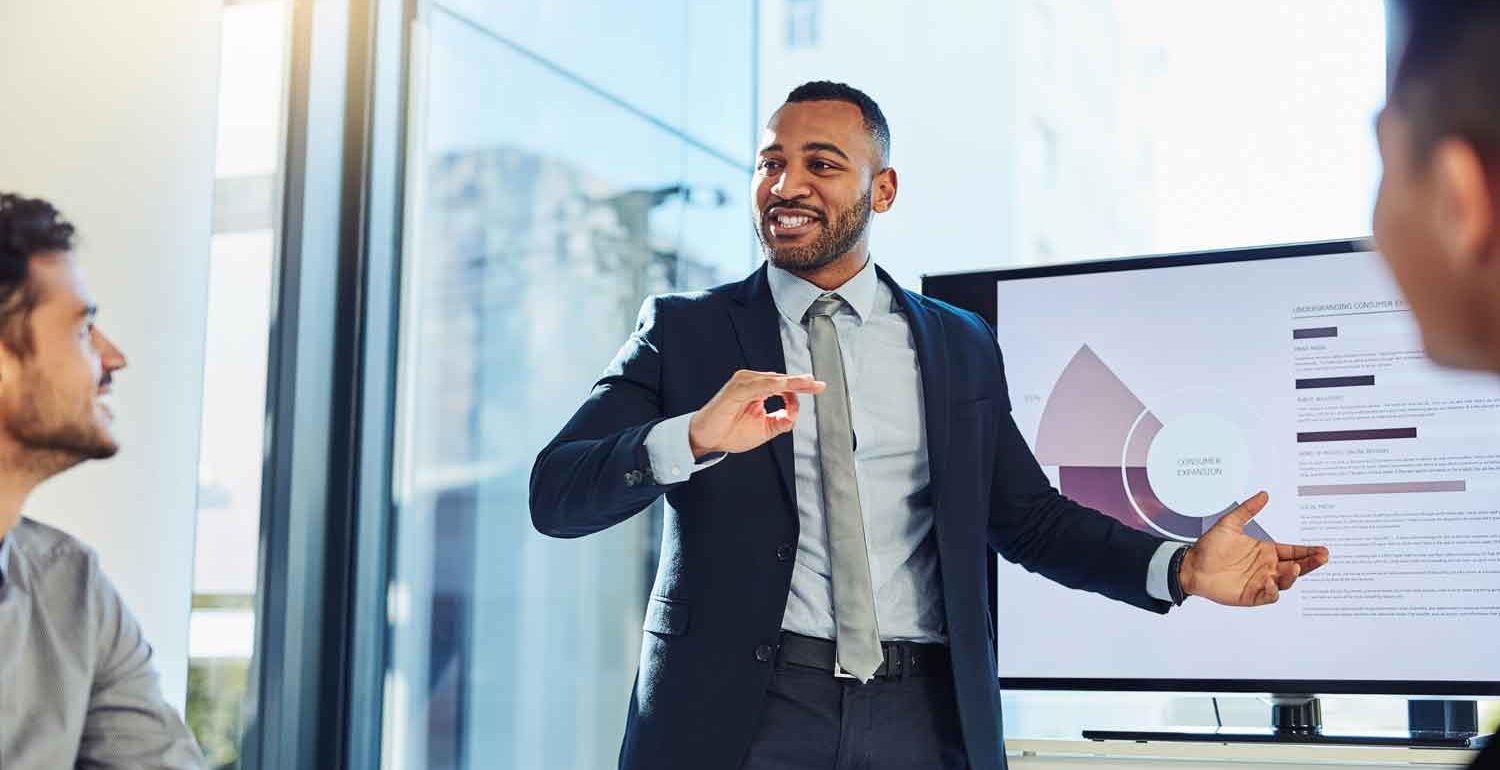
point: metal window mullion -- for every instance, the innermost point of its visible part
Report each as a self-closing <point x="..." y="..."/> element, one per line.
<point x="294" y="710"/>
<point x="382" y="180"/>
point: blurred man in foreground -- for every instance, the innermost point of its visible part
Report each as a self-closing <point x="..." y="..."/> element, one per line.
<point x="1437" y="220"/>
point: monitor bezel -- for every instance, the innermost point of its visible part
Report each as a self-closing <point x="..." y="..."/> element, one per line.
<point x="975" y="290"/>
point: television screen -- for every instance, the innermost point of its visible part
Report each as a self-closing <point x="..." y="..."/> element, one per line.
<point x="1163" y="391"/>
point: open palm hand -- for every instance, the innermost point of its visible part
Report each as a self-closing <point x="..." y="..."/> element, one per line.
<point x="1230" y="567"/>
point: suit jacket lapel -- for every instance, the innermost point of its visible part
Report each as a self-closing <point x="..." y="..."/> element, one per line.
<point x="758" y="327"/>
<point x="932" y="357"/>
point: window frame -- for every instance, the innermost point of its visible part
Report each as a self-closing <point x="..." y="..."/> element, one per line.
<point x="326" y="507"/>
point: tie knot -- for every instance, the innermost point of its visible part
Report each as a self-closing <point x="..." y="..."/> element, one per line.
<point x="826" y="305"/>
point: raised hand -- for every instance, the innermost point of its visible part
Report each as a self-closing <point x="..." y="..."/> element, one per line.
<point x="736" y="420"/>
<point x="1229" y="567"/>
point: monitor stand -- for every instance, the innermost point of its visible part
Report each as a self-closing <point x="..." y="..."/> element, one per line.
<point x="1298" y="719"/>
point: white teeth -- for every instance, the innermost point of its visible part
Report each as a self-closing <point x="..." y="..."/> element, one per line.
<point x="792" y="221"/>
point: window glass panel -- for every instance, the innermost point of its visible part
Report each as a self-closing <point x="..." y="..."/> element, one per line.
<point x="222" y="625"/>
<point x="543" y="207"/>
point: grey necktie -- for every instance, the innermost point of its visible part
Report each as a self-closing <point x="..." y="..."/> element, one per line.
<point x="853" y="595"/>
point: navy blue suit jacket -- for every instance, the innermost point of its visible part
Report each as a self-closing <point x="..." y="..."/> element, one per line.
<point x="1489" y="759"/>
<point x="721" y="589"/>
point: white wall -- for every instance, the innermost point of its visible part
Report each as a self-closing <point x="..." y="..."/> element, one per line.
<point x="944" y="75"/>
<point x="109" y="112"/>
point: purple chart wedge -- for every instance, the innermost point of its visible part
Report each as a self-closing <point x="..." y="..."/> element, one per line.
<point x="1108" y="447"/>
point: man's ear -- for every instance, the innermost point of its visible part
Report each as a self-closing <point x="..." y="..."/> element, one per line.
<point x="885" y="190"/>
<point x="1465" y="204"/>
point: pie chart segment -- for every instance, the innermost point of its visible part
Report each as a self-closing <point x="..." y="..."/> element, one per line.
<point x="1138" y="448"/>
<point x="1088" y="416"/>
<point x="1109" y="447"/>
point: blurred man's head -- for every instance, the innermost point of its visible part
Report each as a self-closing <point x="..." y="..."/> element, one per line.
<point x="1437" y="220"/>
<point x="823" y="167"/>
<point x="55" y="366"/>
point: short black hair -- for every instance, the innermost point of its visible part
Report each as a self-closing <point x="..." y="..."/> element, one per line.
<point x="1448" y="75"/>
<point x="829" y="91"/>
<point x="28" y="226"/>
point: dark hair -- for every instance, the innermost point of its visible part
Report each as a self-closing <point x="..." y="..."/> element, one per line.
<point x="28" y="226"/>
<point x="829" y="91"/>
<point x="1448" y="75"/>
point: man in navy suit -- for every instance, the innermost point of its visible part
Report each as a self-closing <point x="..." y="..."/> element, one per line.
<point x="839" y="459"/>
<point x="1437" y="218"/>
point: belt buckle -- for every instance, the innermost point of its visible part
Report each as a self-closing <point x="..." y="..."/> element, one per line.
<point x="840" y="673"/>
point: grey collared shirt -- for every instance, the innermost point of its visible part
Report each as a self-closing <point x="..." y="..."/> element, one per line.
<point x="78" y="687"/>
<point x="890" y="460"/>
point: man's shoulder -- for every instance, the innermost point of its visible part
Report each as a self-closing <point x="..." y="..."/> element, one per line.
<point x="701" y="297"/>
<point x="686" y="300"/>
<point x="677" y="304"/>
<point x="952" y="315"/>
<point x="45" y="547"/>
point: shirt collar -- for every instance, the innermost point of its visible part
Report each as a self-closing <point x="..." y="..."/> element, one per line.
<point x="5" y="559"/>
<point x="794" y="295"/>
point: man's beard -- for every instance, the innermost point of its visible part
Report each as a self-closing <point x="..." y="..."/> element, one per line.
<point x="50" y="440"/>
<point x="835" y="238"/>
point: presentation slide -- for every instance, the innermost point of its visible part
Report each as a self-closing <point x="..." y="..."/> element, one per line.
<point x="1163" y="397"/>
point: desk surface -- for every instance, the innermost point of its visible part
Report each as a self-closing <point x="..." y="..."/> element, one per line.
<point x="1099" y="755"/>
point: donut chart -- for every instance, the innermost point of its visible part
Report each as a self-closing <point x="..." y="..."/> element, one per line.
<point x="1172" y="478"/>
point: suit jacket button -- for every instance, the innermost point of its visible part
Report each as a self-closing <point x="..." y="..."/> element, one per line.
<point x="763" y="653"/>
<point x="784" y="552"/>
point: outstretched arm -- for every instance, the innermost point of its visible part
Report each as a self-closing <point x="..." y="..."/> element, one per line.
<point x="1230" y="567"/>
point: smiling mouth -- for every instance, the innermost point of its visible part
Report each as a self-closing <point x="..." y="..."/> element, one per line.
<point x="790" y="223"/>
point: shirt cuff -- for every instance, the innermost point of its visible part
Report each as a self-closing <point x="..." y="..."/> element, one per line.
<point x="671" y="453"/>
<point x="1156" y="574"/>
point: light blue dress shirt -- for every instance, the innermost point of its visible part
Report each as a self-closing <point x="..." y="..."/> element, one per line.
<point x="890" y="459"/>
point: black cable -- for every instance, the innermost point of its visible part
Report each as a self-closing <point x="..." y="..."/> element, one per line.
<point x="1217" y="719"/>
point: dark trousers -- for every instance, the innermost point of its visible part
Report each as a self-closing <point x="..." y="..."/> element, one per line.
<point x="813" y="721"/>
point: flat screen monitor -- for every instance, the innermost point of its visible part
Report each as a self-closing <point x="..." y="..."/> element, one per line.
<point x="1163" y="390"/>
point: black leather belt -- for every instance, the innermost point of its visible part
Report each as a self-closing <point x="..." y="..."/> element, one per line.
<point x="901" y="658"/>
